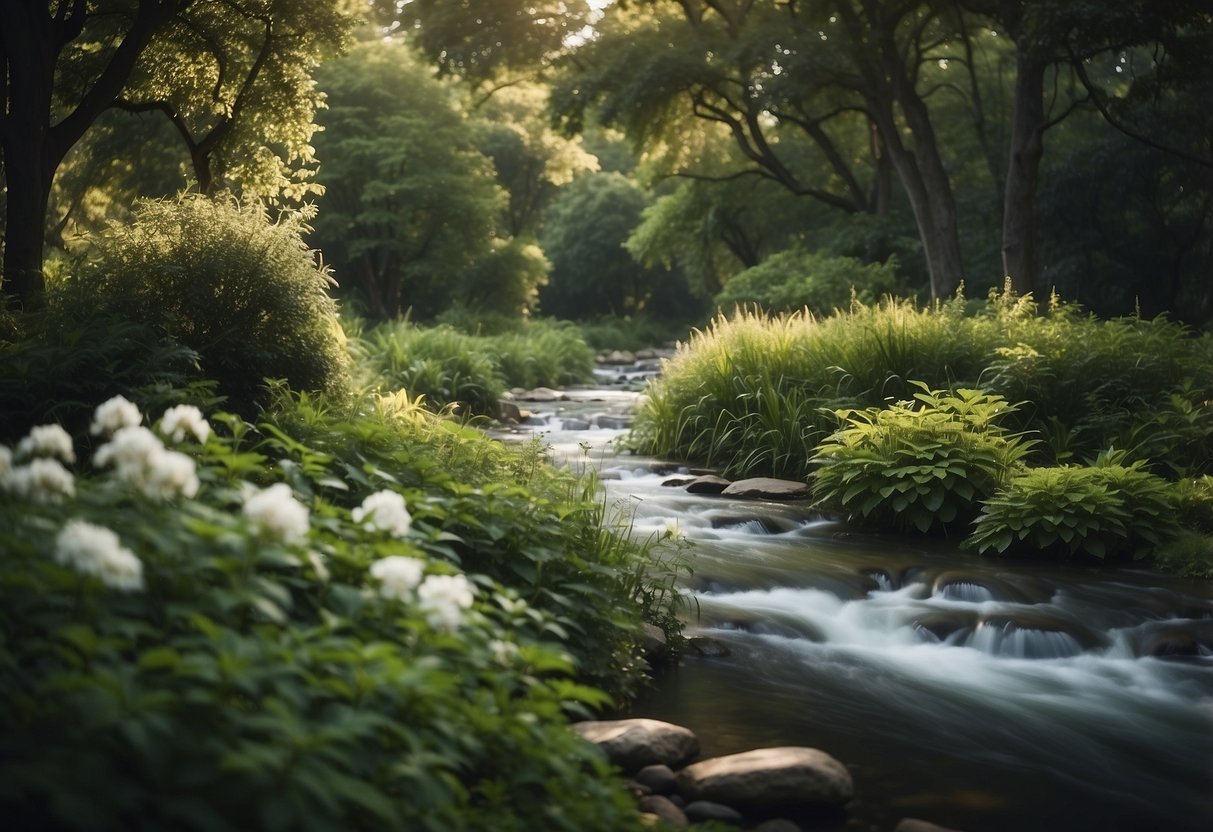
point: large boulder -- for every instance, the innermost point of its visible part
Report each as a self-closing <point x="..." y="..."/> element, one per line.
<point x="770" y="778"/>
<point x="633" y="744"/>
<point x="708" y="484"/>
<point x="767" y="488"/>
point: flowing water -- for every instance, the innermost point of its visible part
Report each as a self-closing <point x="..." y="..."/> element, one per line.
<point x="977" y="693"/>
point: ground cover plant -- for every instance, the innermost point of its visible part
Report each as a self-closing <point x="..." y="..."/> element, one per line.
<point x="322" y="620"/>
<point x="864" y="405"/>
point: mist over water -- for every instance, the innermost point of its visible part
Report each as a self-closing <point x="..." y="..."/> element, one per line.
<point x="977" y="693"/>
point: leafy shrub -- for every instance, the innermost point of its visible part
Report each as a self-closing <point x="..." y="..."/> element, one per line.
<point x="796" y="279"/>
<point x="632" y="333"/>
<point x="57" y="373"/>
<point x="206" y="665"/>
<point x="242" y="292"/>
<point x="920" y="465"/>
<point x="1100" y="511"/>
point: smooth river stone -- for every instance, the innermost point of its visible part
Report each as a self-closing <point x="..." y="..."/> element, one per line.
<point x="787" y="776"/>
<point x="767" y="488"/>
<point x="633" y="744"/>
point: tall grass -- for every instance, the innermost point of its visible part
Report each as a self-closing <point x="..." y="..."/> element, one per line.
<point x="752" y="394"/>
<point x="447" y="366"/>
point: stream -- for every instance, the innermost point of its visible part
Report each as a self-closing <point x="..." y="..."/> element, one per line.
<point x="980" y="694"/>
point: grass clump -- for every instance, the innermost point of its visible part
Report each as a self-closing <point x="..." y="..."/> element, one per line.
<point x="796" y="279"/>
<point x="448" y="367"/>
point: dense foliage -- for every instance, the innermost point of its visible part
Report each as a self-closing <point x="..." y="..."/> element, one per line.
<point x="759" y="396"/>
<point x="332" y="619"/>
<point x="244" y="293"/>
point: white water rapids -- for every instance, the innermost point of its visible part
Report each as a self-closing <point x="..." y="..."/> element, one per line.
<point x="978" y="693"/>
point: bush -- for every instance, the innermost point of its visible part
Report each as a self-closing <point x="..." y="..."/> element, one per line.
<point x="242" y="292"/>
<point x="270" y="639"/>
<point x="797" y="279"/>
<point x="1101" y="511"/>
<point x="918" y="465"/>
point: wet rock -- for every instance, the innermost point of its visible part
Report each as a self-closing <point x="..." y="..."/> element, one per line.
<point x="708" y="484"/>
<point x="677" y="482"/>
<point x="755" y="523"/>
<point x="609" y="422"/>
<point x="574" y="424"/>
<point x="916" y="825"/>
<point x="707" y="647"/>
<point x="766" y="778"/>
<point x="665" y="809"/>
<point x="767" y="488"/>
<point x="653" y="644"/>
<point x="633" y="744"/>
<point x="699" y="811"/>
<point x="541" y="394"/>
<point x="658" y="779"/>
<point x="508" y="413"/>
<point x="617" y="357"/>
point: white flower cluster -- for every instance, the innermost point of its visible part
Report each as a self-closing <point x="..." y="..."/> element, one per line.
<point x="182" y="419"/>
<point x="142" y="461"/>
<point x="47" y="441"/>
<point x="275" y="513"/>
<point x="384" y="510"/>
<point x="442" y="598"/>
<point x="97" y="551"/>
<point x="398" y="576"/>
<point x="114" y="414"/>
<point x="43" y="479"/>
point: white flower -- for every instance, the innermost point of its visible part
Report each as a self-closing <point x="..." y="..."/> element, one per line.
<point x="182" y="419"/>
<point x="141" y="460"/>
<point x="114" y="414"/>
<point x="317" y="562"/>
<point x="504" y="652"/>
<point x="131" y="450"/>
<point x="444" y="598"/>
<point x="274" y="512"/>
<point x="384" y="510"/>
<point x="398" y="576"/>
<point x="169" y="475"/>
<point x="95" y="550"/>
<point x="42" y="481"/>
<point x="47" y="441"/>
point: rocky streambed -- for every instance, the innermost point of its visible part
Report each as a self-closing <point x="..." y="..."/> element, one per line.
<point x="975" y="693"/>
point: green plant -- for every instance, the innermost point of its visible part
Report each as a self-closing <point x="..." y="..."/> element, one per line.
<point x="918" y="465"/>
<point x="796" y="279"/>
<point x="1102" y="511"/>
<point x="242" y="292"/>
<point x="255" y="662"/>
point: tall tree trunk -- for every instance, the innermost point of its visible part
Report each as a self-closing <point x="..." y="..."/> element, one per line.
<point x="1027" y="149"/>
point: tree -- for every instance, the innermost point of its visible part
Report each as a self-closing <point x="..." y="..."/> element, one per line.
<point x="593" y="274"/>
<point x="410" y="203"/>
<point x="231" y="73"/>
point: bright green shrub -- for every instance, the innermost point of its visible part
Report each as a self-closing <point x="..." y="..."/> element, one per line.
<point x="221" y="667"/>
<point x="1101" y="511"/>
<point x="241" y="291"/>
<point x="796" y="279"/>
<point x="543" y="355"/>
<point x="918" y="465"/>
